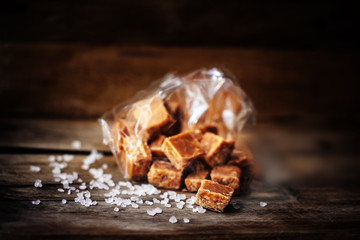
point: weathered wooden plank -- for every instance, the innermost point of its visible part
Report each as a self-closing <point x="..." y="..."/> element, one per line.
<point x="86" y="81"/>
<point x="59" y="134"/>
<point x="51" y="134"/>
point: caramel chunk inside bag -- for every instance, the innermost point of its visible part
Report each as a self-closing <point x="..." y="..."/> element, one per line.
<point x="181" y="118"/>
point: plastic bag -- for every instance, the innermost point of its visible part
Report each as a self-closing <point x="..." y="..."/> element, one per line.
<point x="169" y="106"/>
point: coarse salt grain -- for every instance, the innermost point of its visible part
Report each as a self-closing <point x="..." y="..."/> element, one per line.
<point x="186" y="220"/>
<point x="36" y="202"/>
<point x="104" y="166"/>
<point x="173" y="219"/>
<point x="61" y="190"/>
<point x="63" y="201"/>
<point x="263" y="204"/>
<point x="68" y="157"/>
<point x="52" y="158"/>
<point x="35" y="168"/>
<point x="151" y="212"/>
<point x="76" y="144"/>
<point x="38" y="183"/>
<point x="149" y="203"/>
<point x="116" y="209"/>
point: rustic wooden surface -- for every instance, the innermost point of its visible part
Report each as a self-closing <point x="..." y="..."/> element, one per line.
<point x="83" y="81"/>
<point x="294" y="210"/>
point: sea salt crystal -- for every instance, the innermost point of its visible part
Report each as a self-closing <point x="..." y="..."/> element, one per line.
<point x="167" y="205"/>
<point x="149" y="203"/>
<point x="76" y="144"/>
<point x="180" y="205"/>
<point x="61" y="190"/>
<point x="38" y="183"/>
<point x="69" y="192"/>
<point x="155" y="200"/>
<point x="52" y="158"/>
<point x="173" y="219"/>
<point x="36" y="202"/>
<point x="63" y="201"/>
<point x="82" y="187"/>
<point x="199" y="209"/>
<point x="189" y="206"/>
<point x="134" y="205"/>
<point x="158" y="210"/>
<point x="68" y="157"/>
<point x="186" y="220"/>
<point x="263" y="204"/>
<point x="59" y="158"/>
<point x="116" y="209"/>
<point x="151" y="212"/>
<point x="191" y="200"/>
<point x="104" y="166"/>
<point x="34" y="168"/>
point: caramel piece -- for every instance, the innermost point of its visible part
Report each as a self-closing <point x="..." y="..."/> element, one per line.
<point x="135" y="158"/>
<point x="163" y="174"/>
<point x="152" y="116"/>
<point x="182" y="149"/>
<point x="216" y="149"/>
<point x="227" y="175"/>
<point x="193" y="181"/>
<point x="155" y="146"/>
<point x="213" y="196"/>
<point x="241" y="157"/>
<point x="173" y="108"/>
<point x="199" y="130"/>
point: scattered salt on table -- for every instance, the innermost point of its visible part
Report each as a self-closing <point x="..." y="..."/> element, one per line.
<point x="34" y="168"/>
<point x="263" y="204"/>
<point x="38" y="183"/>
<point x="36" y="202"/>
<point x="186" y="220"/>
<point x="76" y="144"/>
<point x="63" y="201"/>
<point x="173" y="219"/>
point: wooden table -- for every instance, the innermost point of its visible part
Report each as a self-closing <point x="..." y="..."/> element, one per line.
<point x="293" y="211"/>
<point x="310" y="169"/>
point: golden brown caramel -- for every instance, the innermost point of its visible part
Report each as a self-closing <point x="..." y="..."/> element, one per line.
<point x="163" y="174"/>
<point x="182" y="149"/>
<point x="135" y="158"/>
<point x="216" y="149"/>
<point x="155" y="146"/>
<point x="227" y="175"/>
<point x="152" y="116"/>
<point x="213" y="196"/>
<point x="193" y="181"/>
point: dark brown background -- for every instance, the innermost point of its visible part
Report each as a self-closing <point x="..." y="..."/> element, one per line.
<point x="64" y="63"/>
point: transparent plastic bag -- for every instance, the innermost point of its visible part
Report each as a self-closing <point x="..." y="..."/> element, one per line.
<point x="171" y="105"/>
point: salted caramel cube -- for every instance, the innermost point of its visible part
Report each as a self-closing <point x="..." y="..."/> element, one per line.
<point x="135" y="158"/>
<point x="213" y="195"/>
<point x="193" y="181"/>
<point x="182" y="149"/>
<point x="155" y="146"/>
<point x="241" y="157"/>
<point x="227" y="175"/>
<point x="164" y="174"/>
<point x="199" y="130"/>
<point x="152" y="116"/>
<point x="217" y="149"/>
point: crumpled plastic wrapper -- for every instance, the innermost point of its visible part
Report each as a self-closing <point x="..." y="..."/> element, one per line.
<point x="172" y="105"/>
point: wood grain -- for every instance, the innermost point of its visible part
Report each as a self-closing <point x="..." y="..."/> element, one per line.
<point x="85" y="81"/>
<point x="309" y="213"/>
<point x="298" y="209"/>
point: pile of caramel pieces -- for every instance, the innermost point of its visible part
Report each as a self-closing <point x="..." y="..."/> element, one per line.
<point x="152" y="145"/>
